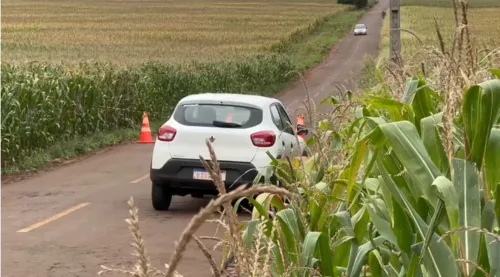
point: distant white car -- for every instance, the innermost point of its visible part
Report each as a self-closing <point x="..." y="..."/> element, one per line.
<point x="360" y="29"/>
<point x="241" y="128"/>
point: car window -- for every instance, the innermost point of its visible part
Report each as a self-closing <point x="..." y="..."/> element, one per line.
<point x="275" y="115"/>
<point x="206" y="114"/>
<point x="360" y="26"/>
<point x="287" y="123"/>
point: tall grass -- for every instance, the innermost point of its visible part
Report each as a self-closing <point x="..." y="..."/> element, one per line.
<point x="43" y="104"/>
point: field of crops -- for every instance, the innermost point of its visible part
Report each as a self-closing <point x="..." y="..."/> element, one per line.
<point x="101" y="64"/>
<point x="133" y="31"/>
<point x="418" y="17"/>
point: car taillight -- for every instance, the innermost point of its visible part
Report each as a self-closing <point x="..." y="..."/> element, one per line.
<point x="263" y="139"/>
<point x="166" y="133"/>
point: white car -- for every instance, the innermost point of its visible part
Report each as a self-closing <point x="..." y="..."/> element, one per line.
<point x="242" y="128"/>
<point x="360" y="29"/>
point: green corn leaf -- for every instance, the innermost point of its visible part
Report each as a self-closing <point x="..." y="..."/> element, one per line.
<point x="381" y="224"/>
<point x="492" y="161"/>
<point x="249" y="232"/>
<point x="432" y="142"/>
<point x="466" y="181"/>
<point x="354" y="269"/>
<point x="418" y="94"/>
<point x="438" y="260"/>
<point x="445" y="190"/>
<point x="312" y="241"/>
<point x="289" y="238"/>
<point x="406" y="144"/>
<point x="402" y="229"/>
<point x="490" y="223"/>
<point x="481" y="110"/>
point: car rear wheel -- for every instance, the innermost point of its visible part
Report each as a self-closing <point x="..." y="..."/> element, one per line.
<point x="161" y="197"/>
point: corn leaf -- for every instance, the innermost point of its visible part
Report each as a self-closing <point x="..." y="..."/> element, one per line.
<point x="489" y="223"/>
<point x="466" y="182"/>
<point x="419" y="96"/>
<point x="312" y="241"/>
<point x="438" y="260"/>
<point x="432" y="142"/>
<point x="406" y="144"/>
<point x="356" y="266"/>
<point x="492" y="160"/>
<point x="481" y="110"/>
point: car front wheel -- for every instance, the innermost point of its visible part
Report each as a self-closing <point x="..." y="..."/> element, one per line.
<point x="161" y="197"/>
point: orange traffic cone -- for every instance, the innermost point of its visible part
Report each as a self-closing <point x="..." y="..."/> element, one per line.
<point x="146" y="136"/>
<point x="300" y="123"/>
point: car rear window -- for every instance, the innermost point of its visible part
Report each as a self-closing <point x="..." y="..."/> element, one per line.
<point x="206" y="114"/>
<point x="360" y="26"/>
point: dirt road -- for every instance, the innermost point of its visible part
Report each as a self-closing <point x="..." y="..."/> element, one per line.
<point x="69" y="221"/>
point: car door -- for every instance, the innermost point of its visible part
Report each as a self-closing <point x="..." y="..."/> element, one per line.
<point x="283" y="139"/>
<point x="291" y="140"/>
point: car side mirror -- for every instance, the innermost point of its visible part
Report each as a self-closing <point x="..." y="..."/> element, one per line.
<point x="302" y="132"/>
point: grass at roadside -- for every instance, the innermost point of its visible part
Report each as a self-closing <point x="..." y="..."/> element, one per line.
<point x="418" y="17"/>
<point x="312" y="50"/>
<point x="70" y="149"/>
<point x="302" y="53"/>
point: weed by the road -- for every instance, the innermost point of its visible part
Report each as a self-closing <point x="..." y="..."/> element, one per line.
<point x="74" y="148"/>
<point x="420" y="18"/>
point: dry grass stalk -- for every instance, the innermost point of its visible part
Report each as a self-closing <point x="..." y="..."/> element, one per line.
<point x="212" y="207"/>
<point x="475" y="265"/>
<point x="215" y="174"/>
<point x="143" y="266"/>
<point x="258" y="249"/>
<point x="211" y="261"/>
<point x="266" y="272"/>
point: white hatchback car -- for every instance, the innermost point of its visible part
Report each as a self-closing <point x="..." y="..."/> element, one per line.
<point x="360" y="29"/>
<point x="242" y="128"/>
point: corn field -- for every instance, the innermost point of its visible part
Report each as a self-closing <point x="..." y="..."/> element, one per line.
<point x="43" y="104"/>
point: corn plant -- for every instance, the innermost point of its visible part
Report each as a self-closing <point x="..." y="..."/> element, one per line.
<point x="42" y="104"/>
<point x="403" y="206"/>
<point x="440" y="212"/>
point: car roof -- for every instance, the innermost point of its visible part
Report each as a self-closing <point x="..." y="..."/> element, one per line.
<point x="246" y="99"/>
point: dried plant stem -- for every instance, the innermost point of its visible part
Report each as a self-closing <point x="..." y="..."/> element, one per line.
<point x="209" y="257"/>
<point x="215" y="174"/>
<point x="143" y="264"/>
<point x="200" y="218"/>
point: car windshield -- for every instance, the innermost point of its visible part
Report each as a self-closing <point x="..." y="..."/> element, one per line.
<point x="223" y="116"/>
<point x="360" y="26"/>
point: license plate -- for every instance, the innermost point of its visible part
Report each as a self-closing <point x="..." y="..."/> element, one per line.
<point x="200" y="174"/>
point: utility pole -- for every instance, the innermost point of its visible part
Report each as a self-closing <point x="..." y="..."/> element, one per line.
<point x="395" y="35"/>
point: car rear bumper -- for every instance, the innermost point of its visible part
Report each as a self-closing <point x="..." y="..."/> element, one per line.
<point x="177" y="174"/>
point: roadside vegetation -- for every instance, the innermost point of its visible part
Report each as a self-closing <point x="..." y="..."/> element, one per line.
<point x="404" y="182"/>
<point x="419" y="19"/>
<point x="59" y="88"/>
